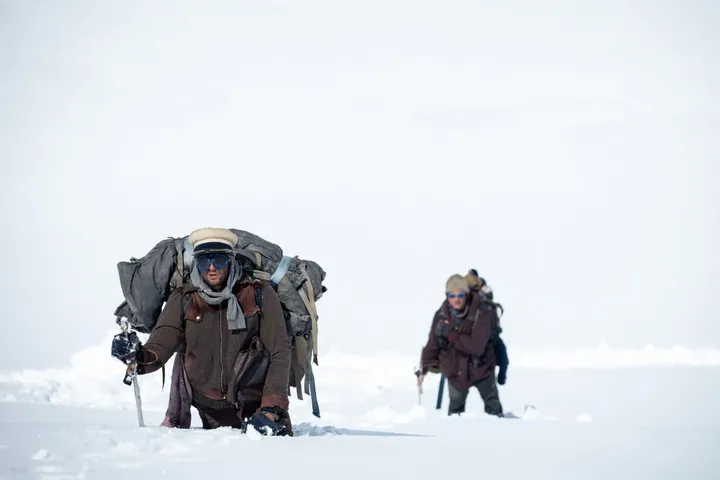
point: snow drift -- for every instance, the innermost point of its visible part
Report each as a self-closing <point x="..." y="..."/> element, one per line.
<point x="94" y="379"/>
<point x="79" y="421"/>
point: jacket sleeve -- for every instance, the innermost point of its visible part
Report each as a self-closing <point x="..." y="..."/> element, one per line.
<point x="273" y="335"/>
<point x="476" y="341"/>
<point x="165" y="338"/>
<point x="431" y="352"/>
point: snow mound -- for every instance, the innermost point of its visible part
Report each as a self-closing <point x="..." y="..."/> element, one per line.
<point x="604" y="356"/>
<point x="601" y="356"/>
<point x="94" y="379"/>
<point x="584" y="418"/>
<point x="41" y="454"/>
<point x="307" y="429"/>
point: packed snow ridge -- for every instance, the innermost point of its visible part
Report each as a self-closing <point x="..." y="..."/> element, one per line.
<point x="94" y="378"/>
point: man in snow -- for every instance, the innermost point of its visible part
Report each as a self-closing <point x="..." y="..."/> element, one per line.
<point x="479" y="286"/>
<point x="217" y="319"/>
<point x="461" y="344"/>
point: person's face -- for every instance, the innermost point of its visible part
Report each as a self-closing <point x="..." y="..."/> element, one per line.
<point x="214" y="269"/>
<point x="457" y="299"/>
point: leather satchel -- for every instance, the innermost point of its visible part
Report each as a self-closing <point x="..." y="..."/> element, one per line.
<point x="248" y="373"/>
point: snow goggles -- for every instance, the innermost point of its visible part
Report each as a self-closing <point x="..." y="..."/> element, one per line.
<point x="220" y="260"/>
<point x="456" y="295"/>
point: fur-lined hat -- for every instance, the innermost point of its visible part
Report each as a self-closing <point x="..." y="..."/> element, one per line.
<point x="457" y="282"/>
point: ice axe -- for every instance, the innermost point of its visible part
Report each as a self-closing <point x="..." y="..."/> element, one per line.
<point x="131" y="373"/>
<point x="418" y="372"/>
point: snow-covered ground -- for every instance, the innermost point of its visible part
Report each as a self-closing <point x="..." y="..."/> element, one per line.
<point x="590" y="413"/>
<point x="569" y="150"/>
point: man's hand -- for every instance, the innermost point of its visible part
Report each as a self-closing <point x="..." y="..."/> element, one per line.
<point x="266" y="423"/>
<point x="125" y="347"/>
<point x="420" y="374"/>
<point x="502" y="377"/>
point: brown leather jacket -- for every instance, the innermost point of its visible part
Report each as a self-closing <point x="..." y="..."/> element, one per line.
<point x="211" y="348"/>
<point x="462" y="349"/>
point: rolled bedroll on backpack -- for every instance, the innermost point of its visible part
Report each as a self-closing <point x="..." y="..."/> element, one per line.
<point x="147" y="282"/>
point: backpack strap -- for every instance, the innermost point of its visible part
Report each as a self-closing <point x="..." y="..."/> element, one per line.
<point x="258" y="296"/>
<point x="308" y="297"/>
<point x="186" y="302"/>
<point x="180" y="260"/>
<point x="307" y="294"/>
<point x="281" y="270"/>
<point x="180" y="266"/>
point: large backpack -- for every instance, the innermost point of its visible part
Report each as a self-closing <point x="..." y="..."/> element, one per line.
<point x="147" y="282"/>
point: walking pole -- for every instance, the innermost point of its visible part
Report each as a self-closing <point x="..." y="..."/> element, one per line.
<point x="131" y="377"/>
<point x="441" y="389"/>
<point x="418" y="372"/>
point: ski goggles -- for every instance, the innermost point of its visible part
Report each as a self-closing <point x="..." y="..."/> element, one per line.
<point x="456" y="295"/>
<point x="220" y="260"/>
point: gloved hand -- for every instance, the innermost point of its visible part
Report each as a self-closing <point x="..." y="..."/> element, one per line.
<point x="420" y="374"/>
<point x="125" y="347"/>
<point x="260" y="422"/>
<point x="442" y="330"/>
<point x="502" y="377"/>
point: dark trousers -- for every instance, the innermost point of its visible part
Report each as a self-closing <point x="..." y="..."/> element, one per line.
<point x="488" y="392"/>
<point x="231" y="417"/>
<point x="224" y="417"/>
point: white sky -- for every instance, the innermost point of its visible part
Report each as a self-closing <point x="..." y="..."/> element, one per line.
<point x="567" y="151"/>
